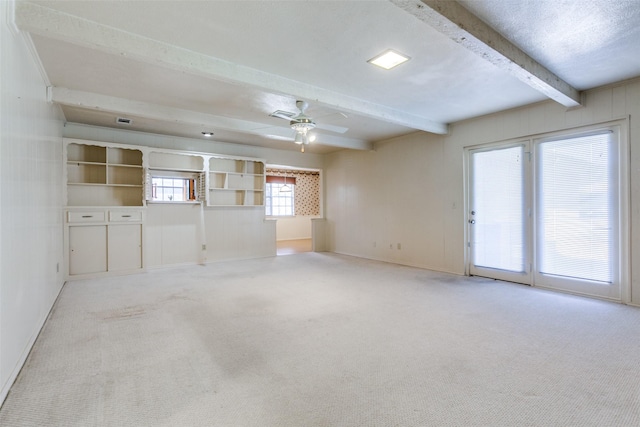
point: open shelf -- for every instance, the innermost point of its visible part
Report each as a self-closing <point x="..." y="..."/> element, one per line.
<point x="103" y="176"/>
<point x="234" y="182"/>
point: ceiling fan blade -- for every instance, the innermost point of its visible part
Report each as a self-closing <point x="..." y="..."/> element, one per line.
<point x="332" y="128"/>
<point x="275" y="132"/>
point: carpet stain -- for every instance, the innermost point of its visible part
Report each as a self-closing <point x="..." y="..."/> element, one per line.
<point x="122" y="313"/>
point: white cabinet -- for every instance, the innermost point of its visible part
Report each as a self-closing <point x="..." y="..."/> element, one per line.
<point x="104" y="248"/>
<point x="124" y="251"/>
<point x="87" y="249"/>
<point x="102" y="241"/>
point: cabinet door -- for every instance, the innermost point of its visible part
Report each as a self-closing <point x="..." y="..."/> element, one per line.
<point x="125" y="247"/>
<point x="87" y="249"/>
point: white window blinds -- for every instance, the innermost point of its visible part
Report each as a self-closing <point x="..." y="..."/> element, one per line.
<point x="576" y="207"/>
<point x="498" y="209"/>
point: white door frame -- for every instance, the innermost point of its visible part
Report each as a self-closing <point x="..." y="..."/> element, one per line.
<point x="621" y="126"/>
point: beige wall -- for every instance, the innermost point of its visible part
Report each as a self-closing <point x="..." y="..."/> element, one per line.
<point x="411" y="190"/>
<point x="392" y="195"/>
<point x="294" y="228"/>
<point x="31" y="258"/>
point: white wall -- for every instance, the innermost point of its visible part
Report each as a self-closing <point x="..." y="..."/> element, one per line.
<point x="30" y="202"/>
<point x="295" y="227"/>
<point x="411" y="190"/>
<point x="175" y="234"/>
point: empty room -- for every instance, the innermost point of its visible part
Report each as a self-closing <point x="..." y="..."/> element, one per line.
<point x="320" y="213"/>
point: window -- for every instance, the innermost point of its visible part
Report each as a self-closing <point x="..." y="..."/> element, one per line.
<point x="173" y="189"/>
<point x="279" y="202"/>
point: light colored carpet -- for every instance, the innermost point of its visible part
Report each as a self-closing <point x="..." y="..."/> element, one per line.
<point x="318" y="339"/>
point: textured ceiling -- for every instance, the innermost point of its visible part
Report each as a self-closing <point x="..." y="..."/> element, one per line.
<point x="181" y="67"/>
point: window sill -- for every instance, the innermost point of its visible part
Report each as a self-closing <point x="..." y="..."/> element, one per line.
<point x="164" y="202"/>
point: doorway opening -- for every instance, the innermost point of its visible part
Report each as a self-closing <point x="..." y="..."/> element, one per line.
<point x="293" y="198"/>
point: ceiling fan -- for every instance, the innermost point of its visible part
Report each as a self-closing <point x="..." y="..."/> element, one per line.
<point x="303" y="124"/>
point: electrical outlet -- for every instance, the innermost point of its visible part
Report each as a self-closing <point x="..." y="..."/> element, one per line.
<point x="204" y="247"/>
<point x="399" y="246"/>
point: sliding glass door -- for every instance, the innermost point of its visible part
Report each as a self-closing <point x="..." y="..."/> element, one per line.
<point x="550" y="216"/>
<point x="577" y="214"/>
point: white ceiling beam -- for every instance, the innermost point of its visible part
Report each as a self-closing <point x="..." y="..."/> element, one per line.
<point x="451" y="19"/>
<point x="126" y="107"/>
<point x="50" y="23"/>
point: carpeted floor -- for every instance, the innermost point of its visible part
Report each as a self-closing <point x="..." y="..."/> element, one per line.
<point x="318" y="339"/>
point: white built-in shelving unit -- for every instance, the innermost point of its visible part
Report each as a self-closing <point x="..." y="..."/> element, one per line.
<point x="234" y="182"/>
<point x="104" y="217"/>
<point x="103" y="176"/>
<point x="107" y="190"/>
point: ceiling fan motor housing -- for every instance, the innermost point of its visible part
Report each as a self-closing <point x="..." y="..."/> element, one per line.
<point x="302" y="123"/>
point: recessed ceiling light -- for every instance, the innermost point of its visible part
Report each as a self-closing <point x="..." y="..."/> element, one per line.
<point x="389" y="59"/>
<point x="207" y="134"/>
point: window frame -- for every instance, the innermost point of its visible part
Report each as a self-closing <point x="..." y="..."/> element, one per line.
<point x="268" y="200"/>
<point x="190" y="180"/>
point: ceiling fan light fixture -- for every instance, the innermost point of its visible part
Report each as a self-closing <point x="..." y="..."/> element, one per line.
<point x="302" y="124"/>
<point x="299" y="139"/>
<point x="388" y="59"/>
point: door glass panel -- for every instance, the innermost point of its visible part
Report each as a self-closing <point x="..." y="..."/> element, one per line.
<point x="575" y="209"/>
<point x="497" y="232"/>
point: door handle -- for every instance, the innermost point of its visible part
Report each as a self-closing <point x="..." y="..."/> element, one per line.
<point x="472" y="221"/>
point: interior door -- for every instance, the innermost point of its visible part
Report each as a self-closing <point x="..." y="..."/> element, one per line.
<point x="499" y="213"/>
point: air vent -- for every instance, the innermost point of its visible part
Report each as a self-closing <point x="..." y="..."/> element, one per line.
<point x="123" y="121"/>
<point x="282" y="114"/>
